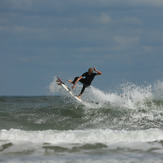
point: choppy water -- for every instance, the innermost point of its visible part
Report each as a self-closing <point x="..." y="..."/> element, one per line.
<point x="121" y="126"/>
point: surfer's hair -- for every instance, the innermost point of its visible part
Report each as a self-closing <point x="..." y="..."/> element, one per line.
<point x="90" y="70"/>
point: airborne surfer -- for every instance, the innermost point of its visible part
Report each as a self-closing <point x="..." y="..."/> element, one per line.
<point x="86" y="79"/>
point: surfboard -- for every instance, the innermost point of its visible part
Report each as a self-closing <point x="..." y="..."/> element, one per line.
<point x="72" y="94"/>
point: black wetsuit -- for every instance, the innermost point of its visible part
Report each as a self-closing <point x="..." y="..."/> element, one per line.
<point x="85" y="81"/>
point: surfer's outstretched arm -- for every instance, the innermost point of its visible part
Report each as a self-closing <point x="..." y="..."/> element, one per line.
<point x="98" y="72"/>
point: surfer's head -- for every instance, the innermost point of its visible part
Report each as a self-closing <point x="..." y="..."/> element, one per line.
<point x="90" y="70"/>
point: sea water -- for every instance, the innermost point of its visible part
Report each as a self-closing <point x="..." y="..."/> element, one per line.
<point x="119" y="126"/>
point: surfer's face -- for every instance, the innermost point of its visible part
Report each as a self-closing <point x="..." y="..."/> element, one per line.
<point x="89" y="73"/>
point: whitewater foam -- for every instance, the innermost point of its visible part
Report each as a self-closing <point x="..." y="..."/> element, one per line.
<point x="105" y="136"/>
<point x="131" y="96"/>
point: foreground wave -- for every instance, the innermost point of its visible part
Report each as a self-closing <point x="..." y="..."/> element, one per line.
<point x="60" y="113"/>
<point x="105" y="136"/>
<point x="94" y="145"/>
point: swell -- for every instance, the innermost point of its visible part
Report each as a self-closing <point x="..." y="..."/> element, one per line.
<point x="60" y="113"/>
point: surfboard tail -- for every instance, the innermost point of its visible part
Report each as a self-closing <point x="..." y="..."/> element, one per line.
<point x="59" y="80"/>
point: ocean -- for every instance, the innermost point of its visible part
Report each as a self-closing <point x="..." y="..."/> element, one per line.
<point x="125" y="125"/>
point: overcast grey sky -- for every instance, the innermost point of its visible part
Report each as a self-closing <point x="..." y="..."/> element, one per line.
<point x="41" y="39"/>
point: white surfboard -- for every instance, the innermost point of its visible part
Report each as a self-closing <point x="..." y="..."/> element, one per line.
<point x="60" y="82"/>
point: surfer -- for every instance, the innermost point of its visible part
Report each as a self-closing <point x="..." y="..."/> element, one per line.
<point x="86" y="79"/>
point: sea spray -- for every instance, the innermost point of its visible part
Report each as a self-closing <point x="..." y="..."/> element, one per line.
<point x="128" y="95"/>
<point x="158" y="90"/>
<point x="53" y="87"/>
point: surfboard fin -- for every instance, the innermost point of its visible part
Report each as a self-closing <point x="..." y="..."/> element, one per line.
<point x="58" y="83"/>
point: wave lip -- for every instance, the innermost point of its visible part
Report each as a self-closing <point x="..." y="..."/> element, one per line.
<point x="126" y="95"/>
<point x="104" y="136"/>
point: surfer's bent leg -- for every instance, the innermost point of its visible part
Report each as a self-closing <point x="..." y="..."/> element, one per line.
<point x="75" y="79"/>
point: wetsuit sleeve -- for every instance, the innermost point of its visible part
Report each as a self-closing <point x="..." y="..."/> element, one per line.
<point x="94" y="74"/>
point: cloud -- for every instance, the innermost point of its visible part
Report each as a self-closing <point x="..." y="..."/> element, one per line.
<point x="151" y="3"/>
<point x="130" y="21"/>
<point x="104" y="18"/>
<point x="127" y="41"/>
<point x="16" y="4"/>
<point x="24" y="59"/>
<point x="62" y="6"/>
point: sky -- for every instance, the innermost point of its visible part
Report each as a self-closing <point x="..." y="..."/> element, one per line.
<point x="41" y="39"/>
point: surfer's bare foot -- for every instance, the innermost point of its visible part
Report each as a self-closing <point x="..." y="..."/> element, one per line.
<point x="79" y="96"/>
<point x="70" y="81"/>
